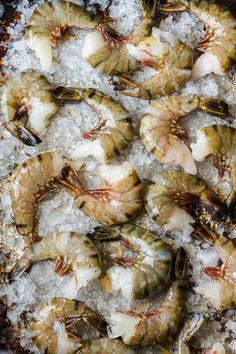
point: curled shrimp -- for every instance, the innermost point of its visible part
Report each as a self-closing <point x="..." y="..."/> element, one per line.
<point x="48" y="24"/>
<point x="104" y="346"/>
<point x="217" y="142"/>
<point x="107" y="52"/>
<point x="220" y="288"/>
<point x="183" y="202"/>
<point x="26" y="105"/>
<point x="59" y="325"/>
<point x="113" y="132"/>
<point x="171" y="61"/>
<point x="71" y="252"/>
<point x="147" y="270"/>
<point x="119" y="198"/>
<point x="218" y="44"/>
<point x="159" y="325"/>
<point x="162" y="134"/>
<point x="28" y="178"/>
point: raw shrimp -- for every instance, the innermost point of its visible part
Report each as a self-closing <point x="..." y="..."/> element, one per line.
<point x="71" y="252"/>
<point x="182" y="202"/>
<point x="26" y="105"/>
<point x="218" y="44"/>
<point x="28" y="178"/>
<point x="59" y="325"/>
<point x="159" y="325"/>
<point x="164" y="137"/>
<point x="119" y="199"/>
<point x="114" y="130"/>
<point x="147" y="270"/>
<point x="104" y="346"/>
<point x="220" y="288"/>
<point x="217" y="142"/>
<point x="171" y="62"/>
<point x="107" y="52"/>
<point x="48" y="24"/>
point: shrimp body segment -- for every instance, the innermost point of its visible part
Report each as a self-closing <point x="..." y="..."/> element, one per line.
<point x="171" y="61"/>
<point x="59" y="325"/>
<point x="108" y="53"/>
<point x="112" y="134"/>
<point x="48" y="24"/>
<point x="162" y="134"/>
<point x="71" y="252"/>
<point x="119" y="198"/>
<point x="217" y="142"/>
<point x="179" y="202"/>
<point x="218" y="44"/>
<point x="26" y="105"/>
<point x="157" y="326"/>
<point x="147" y="270"/>
<point x="220" y="288"/>
<point x="104" y="346"/>
<point x="28" y="178"/>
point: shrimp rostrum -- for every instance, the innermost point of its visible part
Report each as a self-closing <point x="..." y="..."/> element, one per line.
<point x="26" y="105"/>
<point x="145" y="271"/>
<point x="182" y="202"/>
<point x="48" y="24"/>
<point x="28" y="178"/>
<point x="60" y="325"/>
<point x="114" y="131"/>
<point x="72" y="253"/>
<point x="220" y="286"/>
<point x="163" y="135"/>
<point x="218" y="45"/>
<point x="107" y="51"/>
<point x="171" y="62"/>
<point x="119" y="198"/>
<point x="159" y="325"/>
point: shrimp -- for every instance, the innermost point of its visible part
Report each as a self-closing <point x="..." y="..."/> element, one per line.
<point x="220" y="288"/>
<point x="107" y="52"/>
<point x="48" y="24"/>
<point x="159" y="325"/>
<point x="104" y="346"/>
<point x="114" y="131"/>
<point x="28" y="178"/>
<point x="149" y="267"/>
<point x="218" y="44"/>
<point x="217" y="142"/>
<point x="182" y="202"/>
<point x="119" y="199"/>
<point x="171" y="62"/>
<point x="72" y="253"/>
<point x="164" y="137"/>
<point x="26" y="105"/>
<point x="59" y="325"/>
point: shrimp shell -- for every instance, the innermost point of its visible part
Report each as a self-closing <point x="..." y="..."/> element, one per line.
<point x="71" y="252"/>
<point x="48" y="24"/>
<point x="28" y="178"/>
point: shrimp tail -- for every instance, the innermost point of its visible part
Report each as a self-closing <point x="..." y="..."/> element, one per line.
<point x="19" y="268"/>
<point x="149" y="8"/>
<point x="204" y="234"/>
<point x="125" y="86"/>
<point x="180" y="264"/>
<point x="173" y="6"/>
<point x="69" y="180"/>
<point x="68" y="94"/>
<point x="190" y="327"/>
<point x="20" y="132"/>
<point x="105" y="234"/>
<point x="214" y="107"/>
